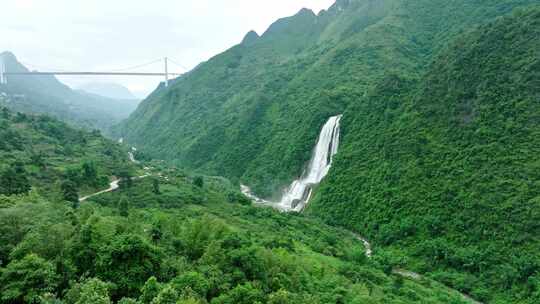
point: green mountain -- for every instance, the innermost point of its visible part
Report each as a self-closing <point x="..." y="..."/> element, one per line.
<point x="445" y="168"/>
<point x="438" y="162"/>
<point x="253" y="112"/>
<point x="47" y="95"/>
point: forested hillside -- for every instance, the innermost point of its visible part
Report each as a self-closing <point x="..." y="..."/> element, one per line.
<point x="46" y="95"/>
<point x="182" y="240"/>
<point x="439" y="156"/>
<point x="253" y="112"/>
<point x="165" y="237"/>
<point x="446" y="169"/>
<point x="45" y="155"/>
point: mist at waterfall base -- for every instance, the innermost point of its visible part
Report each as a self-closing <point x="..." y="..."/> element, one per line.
<point x="297" y="195"/>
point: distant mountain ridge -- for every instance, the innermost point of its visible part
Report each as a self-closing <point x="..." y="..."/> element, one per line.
<point x="108" y="89"/>
<point x="47" y="95"/>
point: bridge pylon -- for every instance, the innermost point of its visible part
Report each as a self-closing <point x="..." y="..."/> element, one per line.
<point x="3" y="78"/>
<point x="166" y="72"/>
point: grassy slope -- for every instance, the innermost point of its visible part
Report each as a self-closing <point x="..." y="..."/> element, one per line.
<point x="449" y="170"/>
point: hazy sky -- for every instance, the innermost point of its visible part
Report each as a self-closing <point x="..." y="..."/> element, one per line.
<point x="104" y="35"/>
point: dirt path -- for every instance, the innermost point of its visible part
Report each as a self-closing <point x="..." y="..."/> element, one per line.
<point x="115" y="184"/>
<point x="112" y="187"/>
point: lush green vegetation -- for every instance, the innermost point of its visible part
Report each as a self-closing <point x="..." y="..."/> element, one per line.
<point x="189" y="243"/>
<point x="53" y="158"/>
<point x="253" y="113"/>
<point x="444" y="169"/>
<point x="164" y="238"/>
<point x="46" y="95"/>
<point x="439" y="157"/>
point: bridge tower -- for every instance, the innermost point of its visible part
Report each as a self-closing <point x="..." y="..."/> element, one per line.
<point x="3" y="78"/>
<point x="166" y="73"/>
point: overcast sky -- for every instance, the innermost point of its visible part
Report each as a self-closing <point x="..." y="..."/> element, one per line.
<point x="104" y="35"/>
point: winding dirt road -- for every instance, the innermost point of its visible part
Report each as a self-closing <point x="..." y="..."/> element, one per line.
<point x="115" y="184"/>
<point x="112" y="187"/>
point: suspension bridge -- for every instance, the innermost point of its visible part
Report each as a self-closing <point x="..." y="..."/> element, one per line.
<point x="5" y="73"/>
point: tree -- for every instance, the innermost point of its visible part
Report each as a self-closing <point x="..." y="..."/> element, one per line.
<point x="73" y="219"/>
<point x="192" y="280"/>
<point x="123" y="206"/>
<point x="125" y="175"/>
<point x="129" y="261"/>
<point x="155" y="186"/>
<point x="90" y="173"/>
<point x="94" y="291"/>
<point x="281" y="296"/>
<point x="69" y="192"/>
<point x="241" y="294"/>
<point x="37" y="159"/>
<point x="168" y="295"/>
<point x="150" y="290"/>
<point x="235" y="197"/>
<point x="128" y="301"/>
<point x="6" y="201"/>
<point x="5" y="113"/>
<point x="14" y="180"/>
<point x="155" y="232"/>
<point x="25" y="280"/>
<point x="398" y="283"/>
<point x="198" y="181"/>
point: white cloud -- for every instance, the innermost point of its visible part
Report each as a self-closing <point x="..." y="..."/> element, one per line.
<point x="105" y="34"/>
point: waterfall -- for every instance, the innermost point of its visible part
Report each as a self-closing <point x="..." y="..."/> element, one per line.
<point x="298" y="194"/>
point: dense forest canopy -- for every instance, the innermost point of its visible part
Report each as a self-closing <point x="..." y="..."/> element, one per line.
<point x="445" y="169"/>
<point x="165" y="236"/>
<point x="438" y="162"/>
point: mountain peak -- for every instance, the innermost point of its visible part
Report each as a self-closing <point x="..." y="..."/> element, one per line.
<point x="306" y="11"/>
<point x="250" y="37"/>
<point x="9" y="56"/>
<point x="299" y="24"/>
<point x="340" y="5"/>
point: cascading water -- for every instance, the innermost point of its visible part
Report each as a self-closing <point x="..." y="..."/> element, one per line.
<point x="298" y="194"/>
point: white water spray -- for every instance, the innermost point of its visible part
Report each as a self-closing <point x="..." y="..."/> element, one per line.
<point x="298" y="194"/>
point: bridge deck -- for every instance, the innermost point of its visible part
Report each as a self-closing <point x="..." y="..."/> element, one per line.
<point x="89" y="73"/>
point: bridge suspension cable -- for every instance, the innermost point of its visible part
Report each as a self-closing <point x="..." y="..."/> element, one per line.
<point x="137" y="66"/>
<point x="178" y="64"/>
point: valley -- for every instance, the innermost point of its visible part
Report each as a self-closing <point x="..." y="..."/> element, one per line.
<point x="373" y="152"/>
